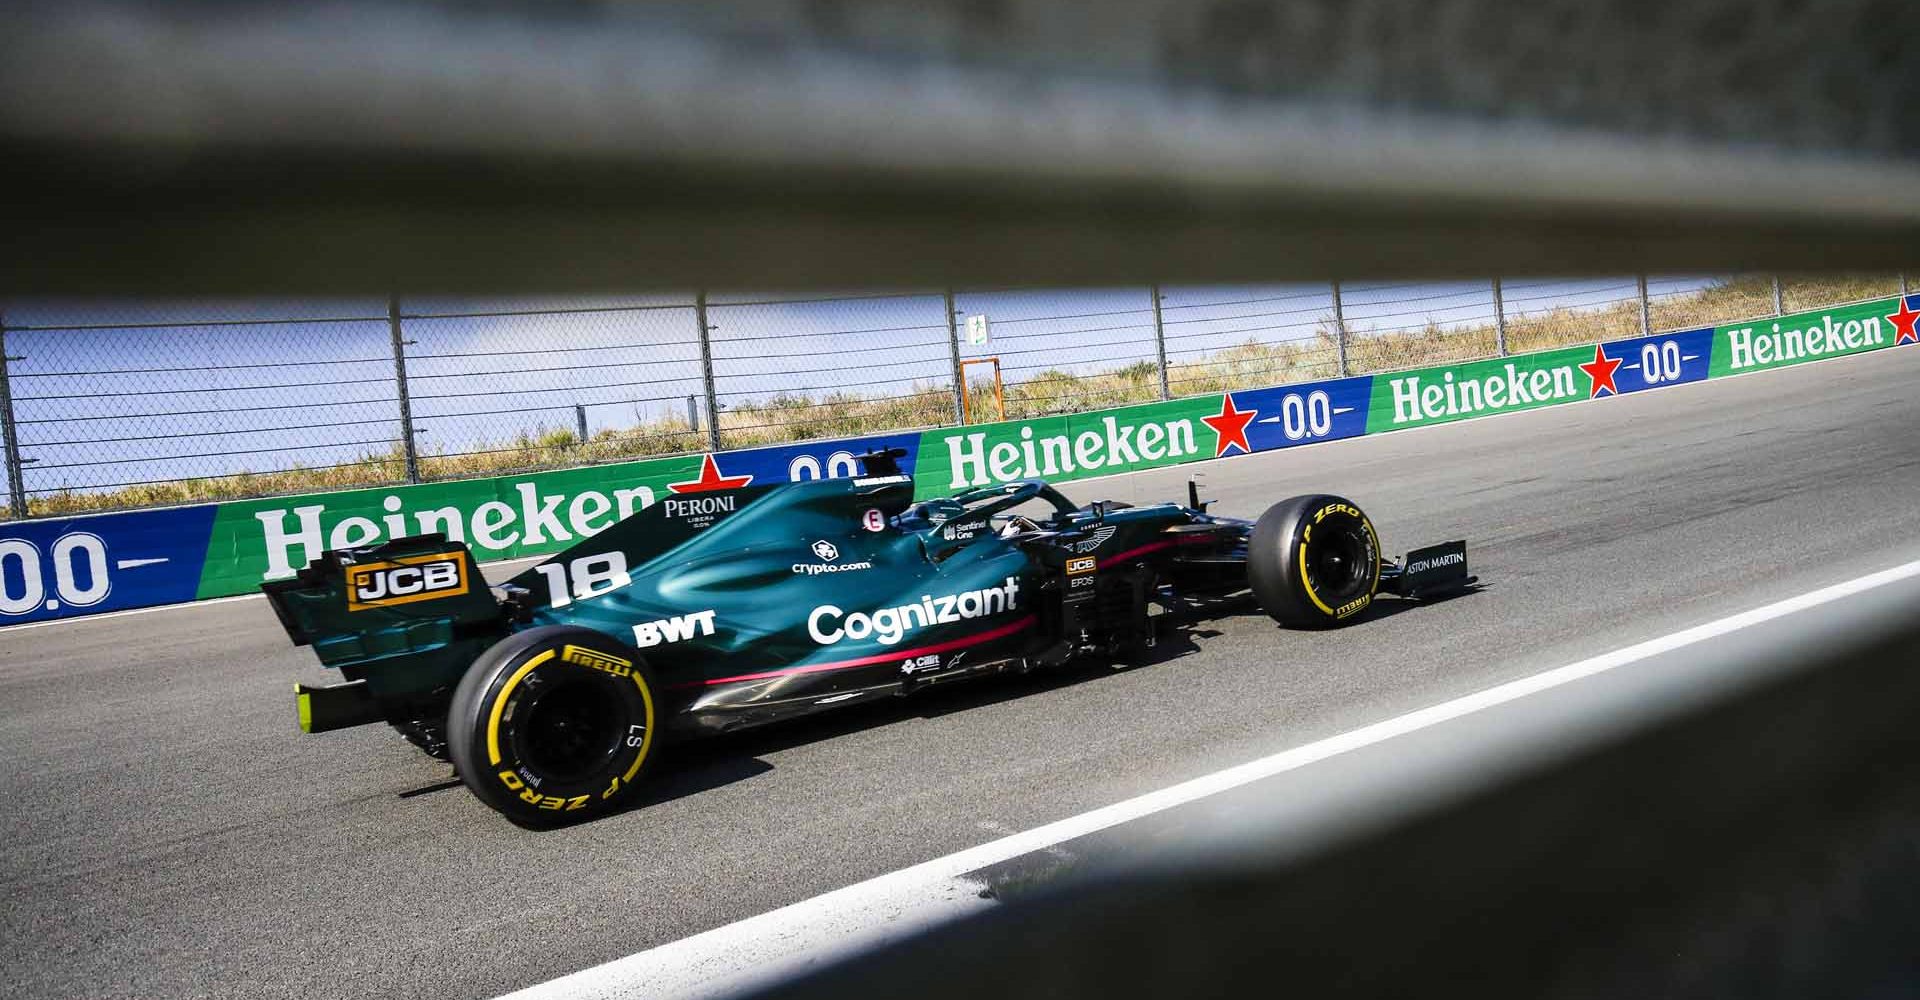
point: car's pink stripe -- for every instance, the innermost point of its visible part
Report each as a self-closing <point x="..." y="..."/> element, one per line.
<point x="898" y="654"/>
<point x="1165" y="543"/>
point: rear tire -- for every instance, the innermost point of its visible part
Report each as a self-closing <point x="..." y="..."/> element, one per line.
<point x="553" y="725"/>
<point x="1313" y="561"/>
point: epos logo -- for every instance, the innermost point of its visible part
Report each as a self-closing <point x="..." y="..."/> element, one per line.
<point x="405" y="580"/>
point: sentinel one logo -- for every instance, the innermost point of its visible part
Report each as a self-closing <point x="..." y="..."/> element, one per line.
<point x="828" y="624"/>
<point x="1498" y="391"/>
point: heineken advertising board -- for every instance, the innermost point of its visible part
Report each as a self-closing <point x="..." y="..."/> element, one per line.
<point x="65" y="567"/>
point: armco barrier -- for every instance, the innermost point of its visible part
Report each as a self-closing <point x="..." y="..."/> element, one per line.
<point x="87" y="565"/>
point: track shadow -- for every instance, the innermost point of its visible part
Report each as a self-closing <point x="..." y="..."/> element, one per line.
<point x="712" y="762"/>
<point x="1390" y="606"/>
<point x="438" y="786"/>
<point x="679" y="774"/>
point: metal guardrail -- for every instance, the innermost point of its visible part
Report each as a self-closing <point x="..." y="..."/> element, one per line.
<point x="132" y="404"/>
<point x="1732" y="818"/>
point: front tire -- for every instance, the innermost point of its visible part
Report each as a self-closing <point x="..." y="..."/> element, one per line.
<point x="1313" y="561"/>
<point x="553" y="725"/>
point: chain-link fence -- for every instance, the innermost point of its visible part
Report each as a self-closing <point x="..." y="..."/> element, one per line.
<point x="122" y="405"/>
<point x="792" y="369"/>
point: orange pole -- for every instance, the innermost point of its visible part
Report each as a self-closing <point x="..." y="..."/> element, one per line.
<point x="966" y="400"/>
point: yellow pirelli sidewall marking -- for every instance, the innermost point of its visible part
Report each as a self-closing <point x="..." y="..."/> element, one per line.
<point x="646" y="742"/>
<point x="500" y="703"/>
<point x="605" y="662"/>
<point x="1374" y="537"/>
<point x="1306" y="581"/>
<point x="305" y="701"/>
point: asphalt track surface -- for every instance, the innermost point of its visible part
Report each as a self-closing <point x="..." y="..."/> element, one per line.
<point x="170" y="833"/>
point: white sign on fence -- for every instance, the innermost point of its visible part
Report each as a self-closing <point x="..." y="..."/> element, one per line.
<point x="978" y="332"/>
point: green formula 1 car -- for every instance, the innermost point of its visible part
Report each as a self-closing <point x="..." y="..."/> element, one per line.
<point x="711" y="611"/>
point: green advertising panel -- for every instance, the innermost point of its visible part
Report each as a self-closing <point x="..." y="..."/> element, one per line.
<point x="1754" y="345"/>
<point x="1477" y="388"/>
<point x="511" y="516"/>
<point x="504" y="518"/>
<point x="1074" y="446"/>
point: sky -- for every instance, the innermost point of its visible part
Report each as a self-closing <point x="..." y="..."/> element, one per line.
<point x="109" y="394"/>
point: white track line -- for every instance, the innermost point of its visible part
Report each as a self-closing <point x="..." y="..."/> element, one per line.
<point x="791" y="939"/>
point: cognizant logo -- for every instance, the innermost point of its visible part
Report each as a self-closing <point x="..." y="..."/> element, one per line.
<point x="828" y="624"/>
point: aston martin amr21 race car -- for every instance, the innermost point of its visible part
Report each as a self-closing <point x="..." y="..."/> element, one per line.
<point x="712" y="611"/>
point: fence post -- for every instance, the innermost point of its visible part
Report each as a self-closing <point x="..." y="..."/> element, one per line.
<point x="1903" y="284"/>
<point x="1499" y="319"/>
<point x="16" y="482"/>
<point x="1340" y="328"/>
<point x="706" y="370"/>
<point x="1646" y="310"/>
<point x="407" y="445"/>
<point x="1779" y="305"/>
<point x="1160" y="341"/>
<point x="959" y="377"/>
<point x="580" y="422"/>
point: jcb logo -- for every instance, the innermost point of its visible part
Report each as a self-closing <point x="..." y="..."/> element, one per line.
<point x="405" y="580"/>
<point x="1080" y="564"/>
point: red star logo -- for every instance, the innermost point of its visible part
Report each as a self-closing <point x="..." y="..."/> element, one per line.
<point x="1903" y="323"/>
<point x="710" y="479"/>
<point x="1600" y="372"/>
<point x="1230" y="427"/>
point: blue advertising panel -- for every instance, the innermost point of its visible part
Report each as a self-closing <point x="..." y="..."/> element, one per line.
<point x="76" y="566"/>
<point x="1302" y="414"/>
<point x="1650" y="362"/>
<point x="816" y="459"/>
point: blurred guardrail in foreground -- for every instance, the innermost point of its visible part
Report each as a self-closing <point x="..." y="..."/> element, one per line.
<point x="1745" y="828"/>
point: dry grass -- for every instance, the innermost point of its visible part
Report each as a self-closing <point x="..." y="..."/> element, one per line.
<point x="786" y="418"/>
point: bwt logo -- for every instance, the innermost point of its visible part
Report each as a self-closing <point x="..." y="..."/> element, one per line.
<point x="403" y="581"/>
<point x="679" y="628"/>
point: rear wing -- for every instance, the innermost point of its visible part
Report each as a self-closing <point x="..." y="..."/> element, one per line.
<point x="399" y="620"/>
